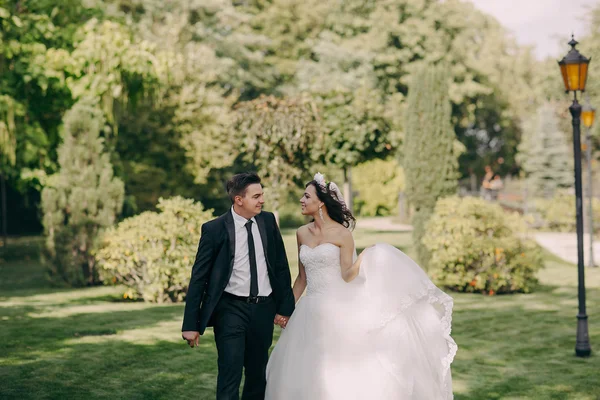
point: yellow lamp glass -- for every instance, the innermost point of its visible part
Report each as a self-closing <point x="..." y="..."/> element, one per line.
<point x="574" y="76"/>
<point x="587" y="117"/>
<point x="583" y="71"/>
<point x="565" y="76"/>
<point x="574" y="69"/>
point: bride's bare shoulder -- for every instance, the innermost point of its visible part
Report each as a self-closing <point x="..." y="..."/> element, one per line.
<point x="344" y="233"/>
<point x="303" y="231"/>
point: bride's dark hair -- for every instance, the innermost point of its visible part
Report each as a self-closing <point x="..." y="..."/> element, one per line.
<point x="336" y="209"/>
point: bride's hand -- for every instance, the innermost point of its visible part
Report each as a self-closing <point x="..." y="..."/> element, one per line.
<point x="281" y="320"/>
<point x="366" y="248"/>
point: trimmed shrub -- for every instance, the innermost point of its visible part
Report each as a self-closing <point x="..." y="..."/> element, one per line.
<point x="558" y="213"/>
<point x="476" y="246"/>
<point x="430" y="150"/>
<point x="152" y="253"/>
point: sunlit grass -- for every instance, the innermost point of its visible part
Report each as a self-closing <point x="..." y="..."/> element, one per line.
<point x="62" y="343"/>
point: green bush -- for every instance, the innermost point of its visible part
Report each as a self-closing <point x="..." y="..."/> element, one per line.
<point x="558" y="213"/>
<point x="476" y="246"/>
<point x="378" y="183"/>
<point x="290" y="216"/>
<point x="152" y="253"/>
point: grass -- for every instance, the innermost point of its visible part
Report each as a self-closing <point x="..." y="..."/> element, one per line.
<point x="61" y="343"/>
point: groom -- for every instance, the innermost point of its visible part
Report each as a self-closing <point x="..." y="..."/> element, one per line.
<point x="240" y="285"/>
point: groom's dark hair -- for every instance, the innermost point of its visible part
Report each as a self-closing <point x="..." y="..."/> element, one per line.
<point x="238" y="184"/>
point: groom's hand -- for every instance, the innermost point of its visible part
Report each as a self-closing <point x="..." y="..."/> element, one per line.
<point x="281" y="320"/>
<point x="192" y="337"/>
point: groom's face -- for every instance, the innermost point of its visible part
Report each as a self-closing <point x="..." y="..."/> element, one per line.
<point x="251" y="203"/>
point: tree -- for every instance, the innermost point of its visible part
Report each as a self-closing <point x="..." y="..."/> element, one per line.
<point x="81" y="199"/>
<point x="430" y="158"/>
<point x="357" y="125"/>
<point x="545" y="154"/>
<point x="281" y="138"/>
<point x="33" y="98"/>
<point x="186" y="130"/>
<point x="8" y="147"/>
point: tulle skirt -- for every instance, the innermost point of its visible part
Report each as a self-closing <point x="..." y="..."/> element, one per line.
<point x="385" y="335"/>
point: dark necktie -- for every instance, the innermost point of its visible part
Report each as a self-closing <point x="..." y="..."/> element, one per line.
<point x="252" y="256"/>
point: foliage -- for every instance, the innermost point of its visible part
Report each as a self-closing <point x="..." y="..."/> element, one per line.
<point x="545" y="154"/>
<point x="356" y="118"/>
<point x="34" y="97"/>
<point x="384" y="44"/>
<point x="558" y="213"/>
<point x="289" y="213"/>
<point x="170" y="72"/>
<point x="110" y="63"/>
<point x="430" y="154"/>
<point x="281" y="137"/>
<point x="8" y="141"/>
<point x="378" y="184"/>
<point x="81" y="199"/>
<point x="151" y="253"/>
<point x="159" y="92"/>
<point x="475" y="246"/>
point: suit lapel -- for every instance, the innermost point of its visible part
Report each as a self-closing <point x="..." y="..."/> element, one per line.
<point x="263" y="231"/>
<point x="231" y="233"/>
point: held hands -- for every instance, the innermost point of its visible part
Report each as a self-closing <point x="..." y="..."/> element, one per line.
<point x="281" y="320"/>
<point x="192" y="338"/>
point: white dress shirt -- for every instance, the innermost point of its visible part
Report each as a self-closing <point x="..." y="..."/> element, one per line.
<point x="239" y="283"/>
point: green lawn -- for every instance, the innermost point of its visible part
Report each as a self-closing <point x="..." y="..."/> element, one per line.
<point x="88" y="343"/>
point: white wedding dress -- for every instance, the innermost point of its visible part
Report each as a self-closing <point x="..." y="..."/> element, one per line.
<point x="385" y="335"/>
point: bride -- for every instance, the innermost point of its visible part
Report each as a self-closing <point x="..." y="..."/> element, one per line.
<point x="369" y="327"/>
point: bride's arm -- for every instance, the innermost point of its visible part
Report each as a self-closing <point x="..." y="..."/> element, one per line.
<point x="300" y="282"/>
<point x="349" y="268"/>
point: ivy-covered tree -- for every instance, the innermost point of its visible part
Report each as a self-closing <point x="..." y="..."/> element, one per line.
<point x="8" y="155"/>
<point x="430" y="158"/>
<point x="81" y="199"/>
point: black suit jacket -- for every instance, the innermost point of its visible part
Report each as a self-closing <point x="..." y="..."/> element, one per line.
<point x="214" y="263"/>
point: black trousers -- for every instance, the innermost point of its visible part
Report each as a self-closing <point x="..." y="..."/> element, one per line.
<point x="243" y="334"/>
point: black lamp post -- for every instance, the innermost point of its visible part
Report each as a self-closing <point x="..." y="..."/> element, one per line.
<point x="587" y="118"/>
<point x="574" y="68"/>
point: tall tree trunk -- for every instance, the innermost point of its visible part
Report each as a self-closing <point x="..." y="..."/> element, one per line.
<point x="4" y="212"/>
<point x="473" y="181"/>
<point x="402" y="209"/>
<point x="348" y="189"/>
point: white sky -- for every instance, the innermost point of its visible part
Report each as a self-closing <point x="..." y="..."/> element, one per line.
<point x="545" y="24"/>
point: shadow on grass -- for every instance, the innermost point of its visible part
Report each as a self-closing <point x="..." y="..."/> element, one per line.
<point x="114" y="369"/>
<point x="507" y="352"/>
<point x="513" y="347"/>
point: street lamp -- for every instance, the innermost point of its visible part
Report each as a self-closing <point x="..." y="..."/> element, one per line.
<point x="574" y="68"/>
<point x="587" y="117"/>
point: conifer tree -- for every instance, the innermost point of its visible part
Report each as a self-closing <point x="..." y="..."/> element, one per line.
<point x="430" y="158"/>
<point x="81" y="199"/>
